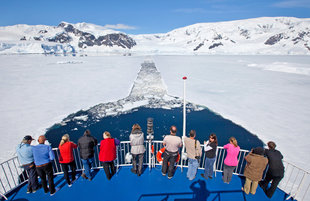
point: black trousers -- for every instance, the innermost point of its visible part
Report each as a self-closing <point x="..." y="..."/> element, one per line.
<point x="65" y="168"/>
<point x="140" y="163"/>
<point x="170" y="157"/>
<point x="109" y="169"/>
<point x="275" y="180"/>
<point x="44" y="171"/>
<point x="33" y="183"/>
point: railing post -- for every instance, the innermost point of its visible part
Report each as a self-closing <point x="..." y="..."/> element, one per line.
<point x="118" y="148"/>
<point x="3" y="196"/>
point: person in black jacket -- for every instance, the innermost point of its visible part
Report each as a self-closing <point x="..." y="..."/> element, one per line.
<point x="86" y="144"/>
<point x="210" y="147"/>
<point x="275" y="171"/>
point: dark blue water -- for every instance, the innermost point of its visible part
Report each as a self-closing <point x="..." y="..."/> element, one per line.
<point x="204" y="122"/>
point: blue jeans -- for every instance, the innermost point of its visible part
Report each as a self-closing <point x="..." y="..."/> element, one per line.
<point x="87" y="163"/>
<point x="192" y="168"/>
<point x="209" y="162"/>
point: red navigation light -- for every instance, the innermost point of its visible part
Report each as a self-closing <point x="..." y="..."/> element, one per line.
<point x="184" y="78"/>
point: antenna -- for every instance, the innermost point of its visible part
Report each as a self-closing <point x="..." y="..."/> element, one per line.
<point x="150" y="137"/>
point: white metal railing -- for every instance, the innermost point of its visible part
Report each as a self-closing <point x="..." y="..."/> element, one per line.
<point x="11" y="176"/>
<point x="296" y="182"/>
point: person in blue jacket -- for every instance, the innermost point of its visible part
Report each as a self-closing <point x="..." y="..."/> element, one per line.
<point x="25" y="156"/>
<point x="43" y="157"/>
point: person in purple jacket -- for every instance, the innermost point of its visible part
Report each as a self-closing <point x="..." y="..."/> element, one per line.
<point x="231" y="160"/>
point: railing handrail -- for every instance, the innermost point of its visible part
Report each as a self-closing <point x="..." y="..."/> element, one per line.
<point x="296" y="182"/>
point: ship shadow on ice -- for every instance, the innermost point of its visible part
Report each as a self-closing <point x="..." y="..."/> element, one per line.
<point x="149" y="98"/>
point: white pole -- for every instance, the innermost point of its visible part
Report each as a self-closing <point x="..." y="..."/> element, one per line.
<point x="150" y="149"/>
<point x="184" y="107"/>
<point x="184" y="120"/>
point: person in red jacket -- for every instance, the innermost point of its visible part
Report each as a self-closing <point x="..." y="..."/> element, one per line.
<point x="107" y="153"/>
<point x="66" y="158"/>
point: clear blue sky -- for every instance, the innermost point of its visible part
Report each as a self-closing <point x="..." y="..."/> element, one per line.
<point x="145" y="16"/>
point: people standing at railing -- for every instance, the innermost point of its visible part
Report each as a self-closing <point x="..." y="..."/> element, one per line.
<point x="172" y="144"/>
<point x="107" y="154"/>
<point x="86" y="144"/>
<point x="210" y="147"/>
<point x="254" y="169"/>
<point x="137" y="148"/>
<point x="275" y="171"/>
<point x="25" y="156"/>
<point x="194" y="153"/>
<point x="231" y="160"/>
<point x="66" y="158"/>
<point x="43" y="157"/>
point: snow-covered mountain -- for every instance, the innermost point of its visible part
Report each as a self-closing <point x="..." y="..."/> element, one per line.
<point x="267" y="35"/>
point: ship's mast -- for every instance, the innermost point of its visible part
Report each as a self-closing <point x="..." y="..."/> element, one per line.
<point x="184" y="119"/>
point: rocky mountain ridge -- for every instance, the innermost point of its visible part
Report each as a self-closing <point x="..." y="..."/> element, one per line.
<point x="268" y="35"/>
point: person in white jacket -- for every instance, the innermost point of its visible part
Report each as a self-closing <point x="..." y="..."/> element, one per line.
<point x="137" y="148"/>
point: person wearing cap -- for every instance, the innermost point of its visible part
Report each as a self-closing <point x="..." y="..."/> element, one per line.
<point x="275" y="171"/>
<point x="43" y="157"/>
<point x="86" y="144"/>
<point x="25" y="156"/>
<point x="254" y="169"/>
<point x="172" y="144"/>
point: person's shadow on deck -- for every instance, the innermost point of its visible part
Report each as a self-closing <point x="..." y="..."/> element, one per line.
<point x="200" y="193"/>
<point x="199" y="189"/>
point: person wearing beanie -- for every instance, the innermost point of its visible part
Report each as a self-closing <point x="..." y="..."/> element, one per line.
<point x="254" y="169"/>
<point x="86" y="144"/>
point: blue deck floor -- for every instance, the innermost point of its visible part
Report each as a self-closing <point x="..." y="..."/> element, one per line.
<point x="149" y="186"/>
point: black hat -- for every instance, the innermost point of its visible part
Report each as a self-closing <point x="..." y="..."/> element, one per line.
<point x="259" y="151"/>
<point x="28" y="137"/>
